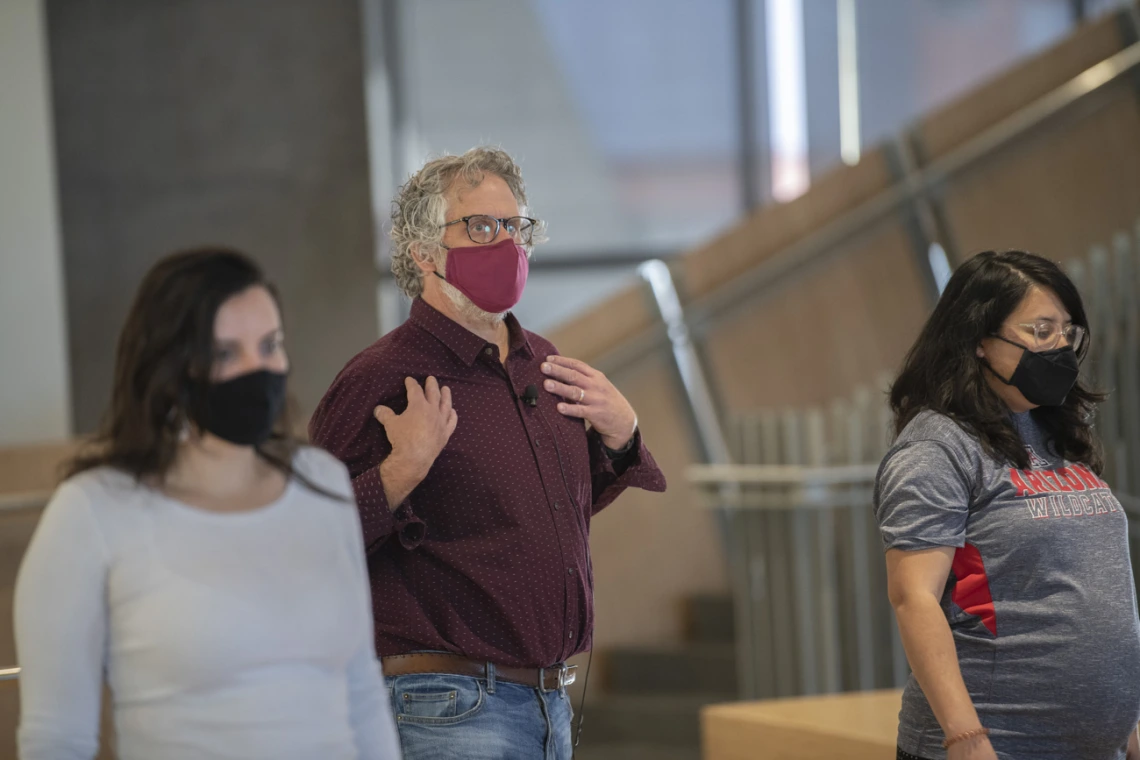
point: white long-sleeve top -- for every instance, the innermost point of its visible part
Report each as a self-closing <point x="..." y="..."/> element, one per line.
<point x="222" y="635"/>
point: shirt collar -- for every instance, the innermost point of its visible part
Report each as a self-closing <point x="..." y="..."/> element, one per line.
<point x="462" y="342"/>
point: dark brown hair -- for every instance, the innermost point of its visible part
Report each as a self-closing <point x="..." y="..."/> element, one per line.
<point x="943" y="372"/>
<point x="163" y="363"/>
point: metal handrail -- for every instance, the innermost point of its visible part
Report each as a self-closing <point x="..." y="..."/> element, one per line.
<point x="659" y="277"/>
<point x="708" y="310"/>
<point x="794" y="532"/>
<point x="9" y="674"/>
<point x="781" y="474"/>
<point x="784" y="487"/>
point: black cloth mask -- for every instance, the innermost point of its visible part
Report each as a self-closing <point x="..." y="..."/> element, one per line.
<point x="243" y="410"/>
<point x="1045" y="377"/>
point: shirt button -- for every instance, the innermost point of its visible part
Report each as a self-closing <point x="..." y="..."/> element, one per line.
<point x="570" y="571"/>
<point x="557" y="505"/>
<point x="488" y="350"/>
<point x="570" y="635"/>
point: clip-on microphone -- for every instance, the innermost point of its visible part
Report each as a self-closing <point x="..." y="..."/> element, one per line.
<point x="530" y="395"/>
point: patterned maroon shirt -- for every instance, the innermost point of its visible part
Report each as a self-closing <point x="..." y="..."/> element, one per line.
<point x="490" y="558"/>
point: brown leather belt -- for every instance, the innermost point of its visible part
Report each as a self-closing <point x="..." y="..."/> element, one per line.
<point x="417" y="663"/>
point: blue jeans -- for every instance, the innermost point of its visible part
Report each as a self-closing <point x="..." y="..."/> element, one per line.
<point x="441" y="717"/>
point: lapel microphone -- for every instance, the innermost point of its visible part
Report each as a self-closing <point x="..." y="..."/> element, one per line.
<point x="530" y="395"/>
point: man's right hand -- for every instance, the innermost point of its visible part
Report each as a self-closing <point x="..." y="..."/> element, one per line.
<point x="417" y="437"/>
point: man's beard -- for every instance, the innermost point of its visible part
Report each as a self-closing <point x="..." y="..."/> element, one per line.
<point x="466" y="308"/>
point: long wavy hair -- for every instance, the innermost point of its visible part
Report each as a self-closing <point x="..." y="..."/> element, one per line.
<point x="163" y="363"/>
<point x="943" y="373"/>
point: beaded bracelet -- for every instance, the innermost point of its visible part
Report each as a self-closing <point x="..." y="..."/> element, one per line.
<point x="965" y="736"/>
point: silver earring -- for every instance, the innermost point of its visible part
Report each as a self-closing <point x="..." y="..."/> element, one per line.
<point x="177" y="419"/>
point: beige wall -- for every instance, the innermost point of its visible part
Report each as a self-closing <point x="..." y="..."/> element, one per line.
<point x="1060" y="191"/>
<point x="650" y="551"/>
<point x="1062" y="187"/>
<point x="34" y="394"/>
<point x="818" y="336"/>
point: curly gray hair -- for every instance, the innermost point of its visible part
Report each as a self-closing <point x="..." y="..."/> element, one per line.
<point x="420" y="208"/>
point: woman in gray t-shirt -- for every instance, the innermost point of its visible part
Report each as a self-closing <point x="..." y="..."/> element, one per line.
<point x="1007" y="555"/>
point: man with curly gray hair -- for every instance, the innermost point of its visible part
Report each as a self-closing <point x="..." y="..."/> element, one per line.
<point x="478" y="457"/>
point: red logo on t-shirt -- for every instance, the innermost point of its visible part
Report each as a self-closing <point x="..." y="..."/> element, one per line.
<point x="1071" y="479"/>
<point x="1072" y="491"/>
<point x="1035" y="461"/>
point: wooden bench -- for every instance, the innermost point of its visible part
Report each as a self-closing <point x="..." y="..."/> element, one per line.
<point x="856" y="726"/>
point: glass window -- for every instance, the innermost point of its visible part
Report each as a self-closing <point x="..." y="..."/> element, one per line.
<point x="620" y="111"/>
<point x="917" y="56"/>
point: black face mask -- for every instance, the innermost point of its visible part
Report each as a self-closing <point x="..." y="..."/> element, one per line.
<point x="1044" y="378"/>
<point x="243" y="410"/>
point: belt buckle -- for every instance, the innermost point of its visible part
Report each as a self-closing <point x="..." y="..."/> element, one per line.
<point x="567" y="675"/>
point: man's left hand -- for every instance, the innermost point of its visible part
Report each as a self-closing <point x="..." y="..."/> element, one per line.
<point x="590" y="396"/>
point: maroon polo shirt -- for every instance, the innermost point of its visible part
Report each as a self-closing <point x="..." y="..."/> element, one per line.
<point x="488" y="557"/>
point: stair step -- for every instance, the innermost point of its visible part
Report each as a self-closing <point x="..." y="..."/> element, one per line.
<point x="710" y="619"/>
<point x="639" y="751"/>
<point x="694" y="668"/>
<point x="661" y="721"/>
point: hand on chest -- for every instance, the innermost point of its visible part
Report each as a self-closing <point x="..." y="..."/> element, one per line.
<point x="511" y="451"/>
<point x="514" y="417"/>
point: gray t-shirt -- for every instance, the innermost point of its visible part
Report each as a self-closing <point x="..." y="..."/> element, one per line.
<point x="1040" y="598"/>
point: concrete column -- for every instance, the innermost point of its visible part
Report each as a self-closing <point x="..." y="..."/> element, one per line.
<point x="33" y="343"/>
<point x="193" y="121"/>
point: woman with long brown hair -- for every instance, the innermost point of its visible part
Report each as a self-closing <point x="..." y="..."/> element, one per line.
<point x="197" y="558"/>
<point x="1007" y="555"/>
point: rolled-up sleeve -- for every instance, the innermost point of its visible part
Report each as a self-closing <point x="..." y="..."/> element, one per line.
<point x="610" y="477"/>
<point x="344" y="425"/>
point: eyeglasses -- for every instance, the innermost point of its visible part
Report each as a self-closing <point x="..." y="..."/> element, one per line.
<point x="1048" y="334"/>
<point x="482" y="228"/>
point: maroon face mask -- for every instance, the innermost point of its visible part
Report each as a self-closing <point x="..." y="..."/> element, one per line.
<point x="492" y="276"/>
